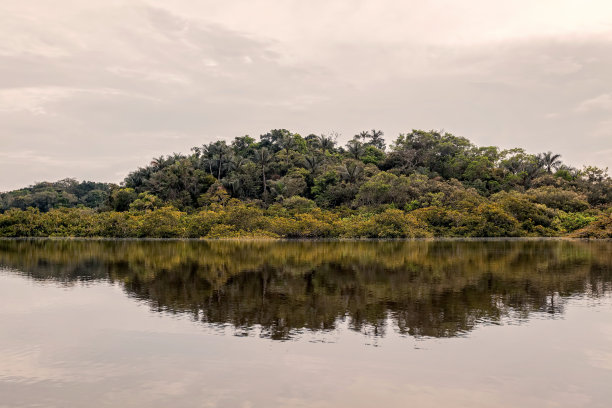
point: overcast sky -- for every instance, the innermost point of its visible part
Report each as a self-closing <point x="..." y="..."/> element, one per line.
<point x="93" y="89"/>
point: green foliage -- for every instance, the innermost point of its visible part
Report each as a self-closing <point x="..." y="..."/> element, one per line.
<point x="600" y="228"/>
<point x="163" y="222"/>
<point x="199" y="224"/>
<point x="115" y="224"/>
<point x="121" y="199"/>
<point x="534" y="218"/>
<point x="64" y="193"/>
<point x="322" y="185"/>
<point x="285" y="185"/>
<point x="314" y="224"/>
<point x="297" y="204"/>
<point x="216" y="196"/>
<point x="565" y="200"/>
<point x="391" y="223"/>
<point x="372" y="155"/>
<point x="377" y="190"/>
<point x="21" y="223"/>
<point x="597" y="185"/>
<point x="292" y="184"/>
<point x="572" y="221"/>
<point x="490" y="220"/>
<point x="145" y="202"/>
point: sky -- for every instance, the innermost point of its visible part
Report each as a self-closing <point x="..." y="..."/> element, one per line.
<point x="93" y="89"/>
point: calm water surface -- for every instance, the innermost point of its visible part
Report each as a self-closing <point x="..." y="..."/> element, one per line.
<point x="305" y="324"/>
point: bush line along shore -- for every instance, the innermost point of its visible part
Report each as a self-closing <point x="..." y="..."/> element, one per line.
<point x="426" y="184"/>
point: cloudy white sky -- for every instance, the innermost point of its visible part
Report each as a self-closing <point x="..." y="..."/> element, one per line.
<point x="92" y="89"/>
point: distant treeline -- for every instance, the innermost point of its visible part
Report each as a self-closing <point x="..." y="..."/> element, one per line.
<point x="286" y="185"/>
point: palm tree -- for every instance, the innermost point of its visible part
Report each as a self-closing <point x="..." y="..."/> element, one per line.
<point x="326" y="142"/>
<point x="263" y="157"/>
<point x="222" y="154"/>
<point x="351" y="170"/>
<point x="355" y="148"/>
<point x="157" y="162"/>
<point x="362" y="135"/>
<point x="196" y="152"/>
<point x="313" y="162"/>
<point x="531" y="170"/>
<point x="376" y="139"/>
<point x="287" y="143"/>
<point x="550" y="161"/>
<point x="235" y="162"/>
<point x="206" y="155"/>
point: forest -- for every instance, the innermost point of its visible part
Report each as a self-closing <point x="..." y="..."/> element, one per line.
<point x="424" y="184"/>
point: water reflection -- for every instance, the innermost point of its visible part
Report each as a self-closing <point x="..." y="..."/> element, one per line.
<point x="425" y="288"/>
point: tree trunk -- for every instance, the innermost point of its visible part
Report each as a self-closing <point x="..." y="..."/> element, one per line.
<point x="263" y="171"/>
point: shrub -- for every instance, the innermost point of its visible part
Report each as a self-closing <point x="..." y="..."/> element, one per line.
<point x="600" y="228"/>
<point x="565" y="200"/>
<point x="21" y="223"/>
<point x="315" y="224"/>
<point x="297" y="204"/>
<point x="117" y="225"/>
<point x="200" y="224"/>
<point x="572" y="221"/>
<point x="144" y="202"/>
<point x="528" y="213"/>
<point x="164" y="222"/>
<point x="391" y="223"/>
<point x="243" y="217"/>
<point x="492" y="221"/>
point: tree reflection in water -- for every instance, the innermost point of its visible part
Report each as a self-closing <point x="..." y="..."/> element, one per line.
<point x="426" y="288"/>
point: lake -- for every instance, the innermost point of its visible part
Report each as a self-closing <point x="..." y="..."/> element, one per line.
<point x="490" y="323"/>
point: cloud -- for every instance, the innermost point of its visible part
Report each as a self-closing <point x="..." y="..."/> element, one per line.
<point x="148" y="75"/>
<point x="31" y="100"/>
<point x="124" y="80"/>
<point x="601" y="102"/>
<point x="36" y="100"/>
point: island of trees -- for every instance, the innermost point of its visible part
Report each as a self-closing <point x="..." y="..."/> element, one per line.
<point x="425" y="184"/>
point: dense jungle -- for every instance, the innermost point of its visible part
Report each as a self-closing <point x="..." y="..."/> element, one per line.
<point x="425" y="184"/>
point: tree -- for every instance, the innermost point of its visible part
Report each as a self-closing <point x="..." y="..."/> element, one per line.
<point x="95" y="198"/>
<point x="376" y="139"/>
<point x="372" y="154"/>
<point x="550" y="161"/>
<point x="158" y="162"/>
<point x="312" y="163"/>
<point x="272" y="139"/>
<point x="327" y="142"/>
<point x="288" y="143"/>
<point x="351" y="170"/>
<point x="243" y="146"/>
<point x="355" y="148"/>
<point x="458" y="188"/>
<point x="222" y="154"/>
<point x="244" y="180"/>
<point x="120" y="199"/>
<point x="263" y="157"/>
<point x="363" y="135"/>
<point x="206" y="156"/>
<point x="145" y="202"/>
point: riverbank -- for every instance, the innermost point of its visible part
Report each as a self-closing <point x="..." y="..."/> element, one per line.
<point x="241" y="221"/>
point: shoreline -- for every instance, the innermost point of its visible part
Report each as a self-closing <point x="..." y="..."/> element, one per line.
<point x="264" y="239"/>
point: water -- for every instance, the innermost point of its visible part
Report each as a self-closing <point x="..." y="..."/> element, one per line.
<point x="305" y="324"/>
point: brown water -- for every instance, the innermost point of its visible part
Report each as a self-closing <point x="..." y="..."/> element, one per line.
<point x="305" y="324"/>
